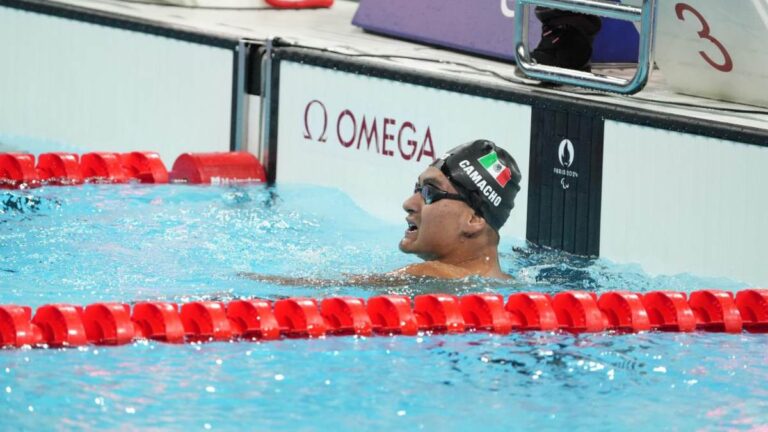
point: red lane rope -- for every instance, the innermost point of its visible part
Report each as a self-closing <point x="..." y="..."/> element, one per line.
<point x="59" y="325"/>
<point x="18" y="170"/>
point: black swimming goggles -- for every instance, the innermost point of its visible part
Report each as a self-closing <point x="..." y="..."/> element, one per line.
<point x="471" y="198"/>
<point x="432" y="194"/>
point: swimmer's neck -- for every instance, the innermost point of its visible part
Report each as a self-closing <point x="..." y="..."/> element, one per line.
<point x="484" y="263"/>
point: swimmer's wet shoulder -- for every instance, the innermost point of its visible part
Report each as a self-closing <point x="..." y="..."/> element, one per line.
<point x="456" y="210"/>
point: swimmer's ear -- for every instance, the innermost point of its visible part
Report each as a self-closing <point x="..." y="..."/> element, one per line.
<point x="475" y="225"/>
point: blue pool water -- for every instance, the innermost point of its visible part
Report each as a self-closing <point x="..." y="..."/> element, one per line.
<point x="94" y="243"/>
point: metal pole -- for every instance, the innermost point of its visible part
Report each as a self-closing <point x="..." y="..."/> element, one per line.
<point x="645" y="15"/>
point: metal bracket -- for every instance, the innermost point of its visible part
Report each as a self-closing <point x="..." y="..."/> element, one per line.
<point x="645" y="15"/>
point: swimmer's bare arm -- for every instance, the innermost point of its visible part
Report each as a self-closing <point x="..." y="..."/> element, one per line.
<point x="379" y="280"/>
<point x="400" y="277"/>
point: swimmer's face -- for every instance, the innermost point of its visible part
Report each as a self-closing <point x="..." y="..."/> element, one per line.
<point x="436" y="229"/>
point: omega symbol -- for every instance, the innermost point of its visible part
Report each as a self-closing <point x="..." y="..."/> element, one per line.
<point x="307" y="133"/>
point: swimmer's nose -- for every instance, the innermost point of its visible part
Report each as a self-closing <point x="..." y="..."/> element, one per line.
<point x="412" y="203"/>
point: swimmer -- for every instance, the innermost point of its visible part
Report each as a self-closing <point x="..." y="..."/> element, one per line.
<point x="456" y="210"/>
<point x="458" y="205"/>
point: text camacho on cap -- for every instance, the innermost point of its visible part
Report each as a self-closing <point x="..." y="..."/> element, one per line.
<point x="486" y="176"/>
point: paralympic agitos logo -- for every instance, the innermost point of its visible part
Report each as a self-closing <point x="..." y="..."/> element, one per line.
<point x="353" y="130"/>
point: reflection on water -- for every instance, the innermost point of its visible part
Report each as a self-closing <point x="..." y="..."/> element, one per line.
<point x="130" y="243"/>
<point x="19" y="203"/>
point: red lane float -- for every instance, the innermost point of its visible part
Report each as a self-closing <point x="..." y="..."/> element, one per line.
<point x="253" y="319"/>
<point x="146" y="167"/>
<point x="299" y="317"/>
<point x="624" y="312"/>
<point x="108" y="324"/>
<point x="577" y="312"/>
<point x="753" y="308"/>
<point x="158" y="321"/>
<point x="532" y="311"/>
<point x="206" y="321"/>
<point x="669" y="311"/>
<point x="16" y="328"/>
<point x="715" y="311"/>
<point x="102" y="167"/>
<point x="345" y="316"/>
<point x="61" y="325"/>
<point x="485" y="312"/>
<point x="17" y="170"/>
<point x="59" y="169"/>
<point x="438" y="313"/>
<point x="392" y="314"/>
<point x="196" y="168"/>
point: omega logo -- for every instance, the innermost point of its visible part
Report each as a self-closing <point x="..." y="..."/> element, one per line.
<point x="307" y="134"/>
<point x="362" y="132"/>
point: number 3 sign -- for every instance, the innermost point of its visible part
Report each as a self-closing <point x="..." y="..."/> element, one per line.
<point x="704" y="33"/>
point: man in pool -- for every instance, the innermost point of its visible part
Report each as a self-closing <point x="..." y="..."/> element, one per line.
<point x="454" y="215"/>
<point x="456" y="210"/>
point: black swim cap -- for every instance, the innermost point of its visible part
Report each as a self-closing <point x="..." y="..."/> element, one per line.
<point x="486" y="175"/>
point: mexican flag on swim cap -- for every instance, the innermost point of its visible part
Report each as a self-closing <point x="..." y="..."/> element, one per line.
<point x="486" y="175"/>
<point x="498" y="170"/>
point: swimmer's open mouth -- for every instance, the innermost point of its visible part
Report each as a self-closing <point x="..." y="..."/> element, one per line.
<point x="412" y="227"/>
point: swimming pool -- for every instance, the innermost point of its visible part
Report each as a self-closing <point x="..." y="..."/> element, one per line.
<point x="129" y="243"/>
